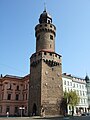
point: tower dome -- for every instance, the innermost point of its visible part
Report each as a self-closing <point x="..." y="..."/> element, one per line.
<point x="87" y="78"/>
<point x="45" y="18"/>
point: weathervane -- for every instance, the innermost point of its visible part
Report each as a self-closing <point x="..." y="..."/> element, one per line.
<point x="45" y="6"/>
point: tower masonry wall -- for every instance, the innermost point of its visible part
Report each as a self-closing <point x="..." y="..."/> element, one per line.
<point x="45" y="37"/>
<point x="46" y="56"/>
<point x="46" y="75"/>
<point x="41" y="27"/>
<point x="51" y="88"/>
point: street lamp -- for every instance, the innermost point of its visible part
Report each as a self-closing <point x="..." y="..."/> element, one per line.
<point x="21" y="110"/>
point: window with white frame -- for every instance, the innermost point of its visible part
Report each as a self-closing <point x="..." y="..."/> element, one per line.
<point x="64" y="82"/>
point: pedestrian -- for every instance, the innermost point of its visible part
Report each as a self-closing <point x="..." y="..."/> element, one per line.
<point x="7" y="114"/>
<point x="42" y="112"/>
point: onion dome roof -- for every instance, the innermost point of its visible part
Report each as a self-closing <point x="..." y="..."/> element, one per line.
<point x="45" y="17"/>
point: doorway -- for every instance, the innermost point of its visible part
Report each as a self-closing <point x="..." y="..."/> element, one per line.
<point x="34" y="110"/>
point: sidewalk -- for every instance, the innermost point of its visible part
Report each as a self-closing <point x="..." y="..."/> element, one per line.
<point x="32" y="118"/>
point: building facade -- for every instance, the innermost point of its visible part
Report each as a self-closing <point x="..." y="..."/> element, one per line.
<point x="72" y="83"/>
<point x="43" y="89"/>
<point x="14" y="95"/>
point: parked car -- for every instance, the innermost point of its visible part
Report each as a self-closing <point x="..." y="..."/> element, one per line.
<point x="88" y="114"/>
<point x="85" y="114"/>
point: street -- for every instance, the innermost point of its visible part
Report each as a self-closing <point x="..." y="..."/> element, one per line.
<point x="76" y="118"/>
<point x="47" y="118"/>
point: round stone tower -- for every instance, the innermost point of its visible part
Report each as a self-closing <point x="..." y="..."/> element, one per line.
<point x="45" y="71"/>
<point x="45" y="33"/>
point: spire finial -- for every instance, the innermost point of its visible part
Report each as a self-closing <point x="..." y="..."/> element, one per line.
<point x="44" y="7"/>
<point x="86" y="73"/>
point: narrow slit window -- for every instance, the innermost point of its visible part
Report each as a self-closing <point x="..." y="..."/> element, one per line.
<point x="38" y="37"/>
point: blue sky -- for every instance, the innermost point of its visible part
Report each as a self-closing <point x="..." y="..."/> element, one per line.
<point x="17" y="36"/>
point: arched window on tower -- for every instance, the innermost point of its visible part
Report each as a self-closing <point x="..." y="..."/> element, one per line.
<point x="51" y="37"/>
<point x="48" y="21"/>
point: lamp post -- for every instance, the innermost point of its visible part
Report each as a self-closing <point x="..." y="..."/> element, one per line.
<point x="21" y="110"/>
<point x="67" y="106"/>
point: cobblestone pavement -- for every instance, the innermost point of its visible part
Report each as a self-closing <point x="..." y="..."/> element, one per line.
<point x="47" y="118"/>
